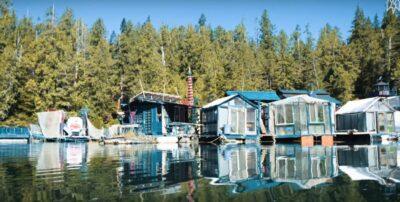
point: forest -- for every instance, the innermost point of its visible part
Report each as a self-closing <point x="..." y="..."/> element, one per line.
<point x="61" y="63"/>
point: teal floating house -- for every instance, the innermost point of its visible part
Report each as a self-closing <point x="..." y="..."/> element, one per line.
<point x="159" y="114"/>
<point x="301" y="115"/>
<point x="231" y="117"/>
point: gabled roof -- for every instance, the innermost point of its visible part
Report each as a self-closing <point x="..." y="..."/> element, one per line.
<point x="226" y="99"/>
<point x="299" y="98"/>
<point x="363" y="105"/>
<point x="256" y="95"/>
<point x="327" y="97"/>
<point x="320" y="93"/>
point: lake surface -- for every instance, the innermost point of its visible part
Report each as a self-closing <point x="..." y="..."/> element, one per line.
<point x="251" y="172"/>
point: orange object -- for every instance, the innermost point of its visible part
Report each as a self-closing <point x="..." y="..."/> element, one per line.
<point x="327" y="140"/>
<point x="307" y="141"/>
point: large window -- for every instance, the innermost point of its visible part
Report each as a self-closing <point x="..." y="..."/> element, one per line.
<point x="381" y="122"/>
<point x="284" y="114"/>
<point x="251" y="120"/>
<point x="242" y="120"/>
<point x="317" y="113"/>
<point x="234" y="122"/>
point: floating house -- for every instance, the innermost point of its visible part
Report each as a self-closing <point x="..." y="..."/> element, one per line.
<point x="366" y="116"/>
<point x="320" y="94"/>
<point x="261" y="99"/>
<point x="394" y="102"/>
<point x="159" y="114"/>
<point x="301" y="115"/>
<point x="231" y="117"/>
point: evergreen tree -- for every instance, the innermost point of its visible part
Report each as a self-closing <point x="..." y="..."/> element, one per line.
<point x="8" y="59"/>
<point x="266" y="55"/>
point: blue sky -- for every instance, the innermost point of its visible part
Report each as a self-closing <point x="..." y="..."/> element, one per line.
<point x="284" y="14"/>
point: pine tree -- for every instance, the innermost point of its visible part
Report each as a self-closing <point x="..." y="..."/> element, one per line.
<point x="8" y="59"/>
<point x="391" y="46"/>
<point x="100" y="83"/>
<point x="266" y="52"/>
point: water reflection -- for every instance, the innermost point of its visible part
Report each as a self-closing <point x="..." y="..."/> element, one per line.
<point x="378" y="163"/>
<point x="149" y="168"/>
<point x="251" y="167"/>
<point x="89" y="171"/>
<point x="304" y="167"/>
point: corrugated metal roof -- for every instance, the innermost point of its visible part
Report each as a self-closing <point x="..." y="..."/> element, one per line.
<point x="256" y="95"/>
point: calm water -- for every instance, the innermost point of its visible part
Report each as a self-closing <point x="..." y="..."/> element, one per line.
<point x="252" y="172"/>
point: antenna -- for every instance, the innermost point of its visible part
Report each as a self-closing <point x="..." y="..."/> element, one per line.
<point x="393" y="5"/>
<point x="141" y="86"/>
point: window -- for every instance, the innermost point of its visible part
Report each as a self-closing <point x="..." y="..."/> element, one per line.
<point x="289" y="113"/>
<point x="251" y="120"/>
<point x="284" y="114"/>
<point x="381" y="122"/>
<point x="390" y="122"/>
<point x="234" y="123"/>
<point x="316" y="113"/>
<point x="280" y="114"/>
<point x="312" y="113"/>
<point x="320" y="113"/>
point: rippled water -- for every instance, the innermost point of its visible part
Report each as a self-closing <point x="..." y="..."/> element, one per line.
<point x="89" y="171"/>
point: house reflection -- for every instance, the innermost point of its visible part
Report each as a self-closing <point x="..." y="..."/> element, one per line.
<point x="303" y="167"/>
<point x="59" y="156"/>
<point x="370" y="162"/>
<point x="251" y="167"/>
<point x="234" y="164"/>
<point x="149" y="168"/>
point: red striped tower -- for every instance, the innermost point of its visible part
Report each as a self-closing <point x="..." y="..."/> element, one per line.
<point x="190" y="88"/>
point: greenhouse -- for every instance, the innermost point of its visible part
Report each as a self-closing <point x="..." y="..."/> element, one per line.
<point x="371" y="115"/>
<point x="301" y="115"/>
<point x="231" y="117"/>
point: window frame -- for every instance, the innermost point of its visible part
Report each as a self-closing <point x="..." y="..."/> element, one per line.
<point x="317" y="108"/>
<point x="284" y="115"/>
